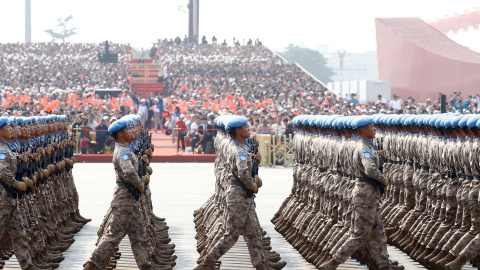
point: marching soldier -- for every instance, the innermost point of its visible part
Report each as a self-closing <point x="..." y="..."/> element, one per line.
<point x="231" y="210"/>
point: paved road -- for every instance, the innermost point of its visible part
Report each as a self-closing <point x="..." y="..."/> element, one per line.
<point x="179" y="189"/>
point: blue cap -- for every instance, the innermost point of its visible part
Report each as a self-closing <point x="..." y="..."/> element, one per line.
<point x="349" y="122"/>
<point x="464" y="120"/>
<point x="234" y="122"/>
<point x="118" y="125"/>
<point x="472" y="121"/>
<point x="447" y="121"/>
<point x="311" y="121"/>
<point x="3" y="121"/>
<point x="455" y="120"/>
<point x="362" y="121"/>
<point x="12" y="120"/>
<point x="438" y="122"/>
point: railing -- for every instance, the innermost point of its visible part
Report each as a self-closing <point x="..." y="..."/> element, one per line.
<point x="141" y="72"/>
<point x="93" y="143"/>
<point x="275" y="149"/>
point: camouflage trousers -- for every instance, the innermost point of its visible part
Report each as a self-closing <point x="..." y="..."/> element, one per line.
<point x="367" y="229"/>
<point x="123" y="220"/>
<point x="12" y="224"/>
<point x="241" y="218"/>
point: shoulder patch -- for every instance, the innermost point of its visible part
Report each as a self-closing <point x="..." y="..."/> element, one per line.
<point x="126" y="157"/>
<point x="3" y="156"/>
<point x="3" y="151"/>
<point x="367" y="155"/>
<point x="367" y="151"/>
<point x="242" y="155"/>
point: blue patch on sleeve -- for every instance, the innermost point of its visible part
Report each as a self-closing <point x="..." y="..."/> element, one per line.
<point x="242" y="156"/>
<point x="367" y="155"/>
<point x="126" y="157"/>
<point x="3" y="156"/>
<point x="3" y="151"/>
<point x="367" y="151"/>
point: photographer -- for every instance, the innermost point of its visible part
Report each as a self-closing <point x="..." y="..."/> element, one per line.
<point x="455" y="97"/>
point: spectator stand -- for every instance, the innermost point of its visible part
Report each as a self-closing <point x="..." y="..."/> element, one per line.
<point x="145" y="76"/>
<point x="304" y="70"/>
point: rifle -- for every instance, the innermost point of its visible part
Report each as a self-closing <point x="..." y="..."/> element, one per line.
<point x="253" y="143"/>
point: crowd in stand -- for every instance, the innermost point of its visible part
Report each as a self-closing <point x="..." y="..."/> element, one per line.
<point x="201" y="82"/>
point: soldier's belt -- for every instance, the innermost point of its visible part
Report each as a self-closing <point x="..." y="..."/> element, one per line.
<point x="375" y="183"/>
<point x="239" y="182"/>
<point x="131" y="188"/>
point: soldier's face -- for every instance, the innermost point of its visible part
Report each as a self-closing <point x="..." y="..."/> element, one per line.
<point x="5" y="132"/>
<point x="369" y="131"/>
<point x="244" y="131"/>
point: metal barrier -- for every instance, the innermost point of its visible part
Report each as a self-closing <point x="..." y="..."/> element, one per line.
<point x="275" y="150"/>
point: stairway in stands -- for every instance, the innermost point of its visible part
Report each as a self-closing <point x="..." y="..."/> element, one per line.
<point x="145" y="77"/>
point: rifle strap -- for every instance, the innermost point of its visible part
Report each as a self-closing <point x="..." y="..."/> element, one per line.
<point x="238" y="182"/>
<point x="131" y="188"/>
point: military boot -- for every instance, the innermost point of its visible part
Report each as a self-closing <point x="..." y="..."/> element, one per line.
<point x="276" y="266"/>
<point x="90" y="266"/>
<point x="457" y="264"/>
<point x="332" y="264"/>
<point x="207" y="264"/>
<point x="262" y="266"/>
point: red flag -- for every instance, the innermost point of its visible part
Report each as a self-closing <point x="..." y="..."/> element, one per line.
<point x="152" y="108"/>
<point x="299" y="105"/>
<point x="230" y="97"/>
<point x="362" y="107"/>
<point x="206" y="105"/>
<point x="208" y="91"/>
<point x="12" y="97"/>
<point x="264" y="98"/>
<point x="325" y="102"/>
<point x="115" y="106"/>
<point x="5" y="104"/>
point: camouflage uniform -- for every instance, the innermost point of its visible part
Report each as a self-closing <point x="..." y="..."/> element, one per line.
<point x="125" y="214"/>
<point x="367" y="227"/>
<point x="240" y="212"/>
<point x="10" y="222"/>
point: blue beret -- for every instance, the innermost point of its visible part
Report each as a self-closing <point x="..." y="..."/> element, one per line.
<point x="389" y="120"/>
<point x="295" y="120"/>
<point x="420" y="120"/>
<point x="311" y="120"/>
<point x="26" y="120"/>
<point x="12" y="120"/>
<point x="464" y="120"/>
<point x="349" y="121"/>
<point x="472" y="121"/>
<point x="318" y="121"/>
<point x="3" y="121"/>
<point x="455" y="120"/>
<point x="438" y="122"/>
<point x="117" y="125"/>
<point x="447" y="122"/>
<point x="431" y="121"/>
<point x="338" y="122"/>
<point x="234" y="122"/>
<point x="362" y="121"/>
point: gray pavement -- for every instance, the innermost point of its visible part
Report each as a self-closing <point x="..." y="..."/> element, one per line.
<point x="178" y="189"/>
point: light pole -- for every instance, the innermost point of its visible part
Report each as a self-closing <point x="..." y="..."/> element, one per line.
<point x="28" y="21"/>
